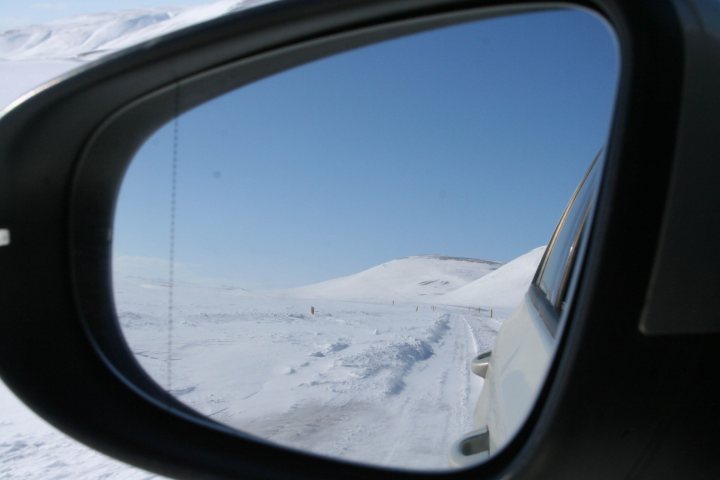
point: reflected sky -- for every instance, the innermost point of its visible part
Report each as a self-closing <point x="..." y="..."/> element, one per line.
<point x="465" y="141"/>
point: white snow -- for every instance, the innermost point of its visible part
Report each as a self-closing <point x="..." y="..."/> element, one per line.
<point x="501" y="289"/>
<point x="368" y="382"/>
<point x="419" y="279"/>
<point x="34" y="54"/>
<point x="371" y="367"/>
<point x="91" y="36"/>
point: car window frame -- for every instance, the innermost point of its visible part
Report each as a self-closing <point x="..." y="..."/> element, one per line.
<point x="549" y="311"/>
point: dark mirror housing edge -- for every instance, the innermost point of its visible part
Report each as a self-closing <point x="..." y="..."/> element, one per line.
<point x="61" y="351"/>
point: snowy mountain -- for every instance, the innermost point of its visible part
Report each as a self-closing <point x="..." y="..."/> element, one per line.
<point x="503" y="288"/>
<point x="418" y="279"/>
<point x="32" y="55"/>
<point x="88" y="37"/>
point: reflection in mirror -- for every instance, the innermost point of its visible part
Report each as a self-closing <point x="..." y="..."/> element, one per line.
<point x="324" y="258"/>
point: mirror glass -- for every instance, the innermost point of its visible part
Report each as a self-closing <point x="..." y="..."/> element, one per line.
<point x="318" y="257"/>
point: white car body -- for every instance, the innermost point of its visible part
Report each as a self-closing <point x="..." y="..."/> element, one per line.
<point x="515" y="369"/>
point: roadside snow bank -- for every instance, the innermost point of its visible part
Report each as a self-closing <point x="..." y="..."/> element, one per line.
<point x="503" y="288"/>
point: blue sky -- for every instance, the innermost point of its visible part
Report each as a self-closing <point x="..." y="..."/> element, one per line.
<point x="465" y="141"/>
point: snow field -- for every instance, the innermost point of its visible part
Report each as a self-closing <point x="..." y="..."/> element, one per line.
<point x="371" y="367"/>
<point x="377" y="383"/>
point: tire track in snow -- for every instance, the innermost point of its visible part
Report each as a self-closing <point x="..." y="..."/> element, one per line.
<point x="473" y="384"/>
<point x="453" y="392"/>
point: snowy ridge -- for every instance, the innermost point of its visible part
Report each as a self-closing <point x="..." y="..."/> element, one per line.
<point x="32" y="55"/>
<point x="88" y="37"/>
<point x="411" y="279"/>
<point x="78" y="36"/>
<point x="503" y="288"/>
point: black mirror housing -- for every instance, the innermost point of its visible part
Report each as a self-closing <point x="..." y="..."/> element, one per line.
<point x="61" y="350"/>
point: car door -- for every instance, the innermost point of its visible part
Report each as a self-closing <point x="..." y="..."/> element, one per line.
<point x="517" y="364"/>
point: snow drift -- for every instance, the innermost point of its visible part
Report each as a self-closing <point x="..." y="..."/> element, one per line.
<point x="503" y="288"/>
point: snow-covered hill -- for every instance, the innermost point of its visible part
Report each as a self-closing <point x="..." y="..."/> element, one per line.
<point x="88" y="37"/>
<point x="411" y="279"/>
<point x="31" y="55"/>
<point x="503" y="288"/>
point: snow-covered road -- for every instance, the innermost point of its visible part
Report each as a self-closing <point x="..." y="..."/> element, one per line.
<point x="376" y="382"/>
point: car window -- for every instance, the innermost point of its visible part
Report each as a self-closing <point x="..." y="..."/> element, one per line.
<point x="557" y="265"/>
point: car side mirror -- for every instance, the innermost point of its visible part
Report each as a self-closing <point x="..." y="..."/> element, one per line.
<point x="65" y="150"/>
<point x="479" y="364"/>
